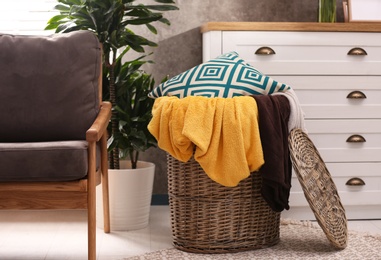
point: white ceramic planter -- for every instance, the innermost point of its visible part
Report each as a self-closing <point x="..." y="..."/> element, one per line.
<point x="130" y="196"/>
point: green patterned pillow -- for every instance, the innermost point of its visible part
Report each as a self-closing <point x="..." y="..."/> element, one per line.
<point x="225" y="76"/>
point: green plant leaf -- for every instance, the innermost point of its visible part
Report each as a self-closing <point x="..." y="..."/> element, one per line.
<point x="152" y="28"/>
<point x="165" y="1"/>
<point x="162" y="7"/>
<point x="143" y="20"/>
<point x="165" y="21"/>
<point x="62" y="8"/>
<point x="56" y="18"/>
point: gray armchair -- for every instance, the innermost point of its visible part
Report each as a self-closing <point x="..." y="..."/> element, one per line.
<point x="53" y="125"/>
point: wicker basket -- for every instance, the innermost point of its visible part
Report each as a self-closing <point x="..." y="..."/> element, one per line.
<point x="210" y="218"/>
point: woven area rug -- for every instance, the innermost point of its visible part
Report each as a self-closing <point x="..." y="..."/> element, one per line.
<point x="298" y="240"/>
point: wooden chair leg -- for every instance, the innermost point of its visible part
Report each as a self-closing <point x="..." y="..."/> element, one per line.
<point x="91" y="203"/>
<point x="105" y="190"/>
<point x="92" y="248"/>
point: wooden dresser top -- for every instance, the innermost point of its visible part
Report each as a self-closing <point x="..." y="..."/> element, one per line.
<point x="292" y="26"/>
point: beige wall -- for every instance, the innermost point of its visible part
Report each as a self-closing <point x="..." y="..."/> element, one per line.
<point x="180" y="45"/>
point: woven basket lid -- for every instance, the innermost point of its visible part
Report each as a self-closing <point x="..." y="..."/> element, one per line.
<point x="319" y="188"/>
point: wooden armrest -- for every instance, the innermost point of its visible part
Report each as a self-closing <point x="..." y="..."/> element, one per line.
<point x="95" y="132"/>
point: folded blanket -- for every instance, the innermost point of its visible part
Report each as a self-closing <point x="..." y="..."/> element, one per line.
<point x="296" y="114"/>
<point x="273" y="119"/>
<point x="221" y="133"/>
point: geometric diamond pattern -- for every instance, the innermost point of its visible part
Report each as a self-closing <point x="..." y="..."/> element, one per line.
<point x="225" y="76"/>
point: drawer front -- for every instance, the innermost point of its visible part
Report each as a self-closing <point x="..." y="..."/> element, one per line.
<point x="348" y="198"/>
<point x="307" y="53"/>
<point x="344" y="126"/>
<point x="340" y="103"/>
<point x="368" y="194"/>
<point x="348" y="140"/>
<point x="351" y="97"/>
<point x="329" y="82"/>
<point x="316" y="111"/>
<point x="337" y="96"/>
<point x="350" y="154"/>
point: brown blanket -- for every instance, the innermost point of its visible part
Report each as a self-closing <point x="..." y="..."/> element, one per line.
<point x="274" y="112"/>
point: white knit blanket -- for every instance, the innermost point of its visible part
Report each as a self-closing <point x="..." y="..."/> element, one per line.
<point x="296" y="113"/>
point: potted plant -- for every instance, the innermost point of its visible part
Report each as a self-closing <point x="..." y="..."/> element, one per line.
<point x="125" y="84"/>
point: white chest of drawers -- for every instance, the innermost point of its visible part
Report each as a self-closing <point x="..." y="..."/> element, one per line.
<point x="335" y="69"/>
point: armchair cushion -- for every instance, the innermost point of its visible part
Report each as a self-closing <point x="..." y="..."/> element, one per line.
<point x="44" y="161"/>
<point x="40" y="97"/>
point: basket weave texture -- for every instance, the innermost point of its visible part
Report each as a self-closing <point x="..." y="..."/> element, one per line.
<point x="319" y="188"/>
<point x="207" y="217"/>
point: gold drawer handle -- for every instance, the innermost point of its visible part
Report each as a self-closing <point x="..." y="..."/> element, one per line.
<point x="357" y="51"/>
<point x="356" y="95"/>
<point x="265" y="51"/>
<point x="356" y="139"/>
<point x="355" y="182"/>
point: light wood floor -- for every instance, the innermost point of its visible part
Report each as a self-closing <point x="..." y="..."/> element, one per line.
<point x="62" y="235"/>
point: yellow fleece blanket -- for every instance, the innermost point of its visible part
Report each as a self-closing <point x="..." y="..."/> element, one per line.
<point x="221" y="133"/>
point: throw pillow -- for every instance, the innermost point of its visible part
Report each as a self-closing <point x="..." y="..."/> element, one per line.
<point x="225" y="76"/>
